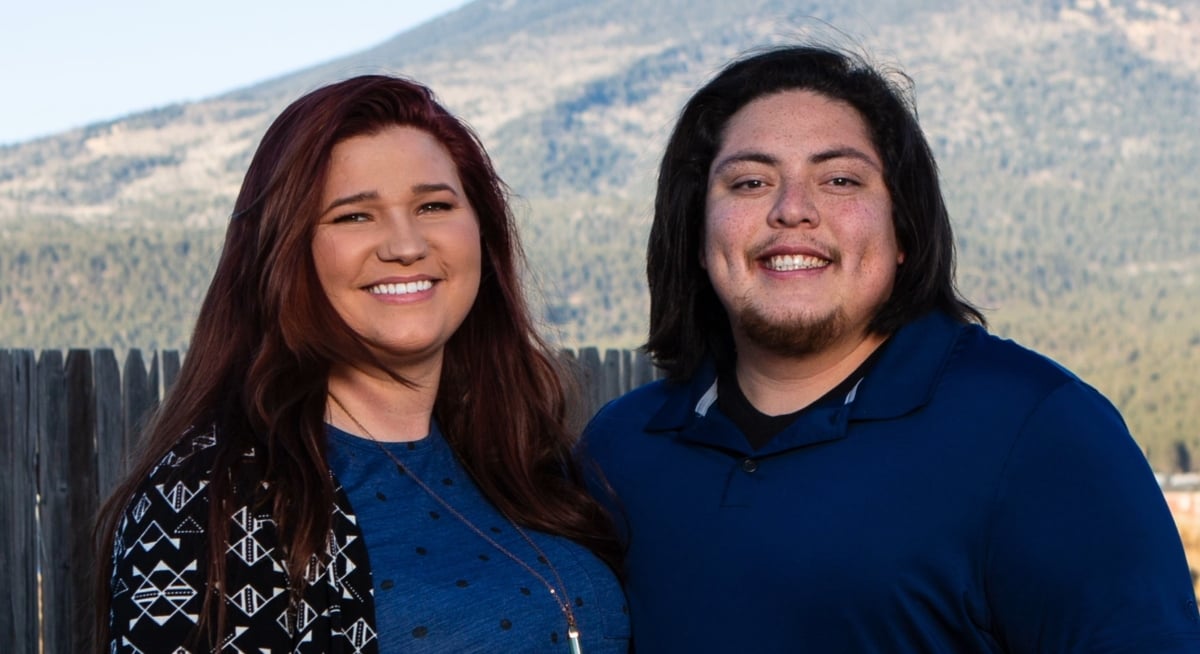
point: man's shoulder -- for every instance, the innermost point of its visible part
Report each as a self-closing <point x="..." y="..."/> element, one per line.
<point x="639" y="404"/>
<point x="987" y="368"/>
<point x="985" y="353"/>
<point x="937" y="353"/>
<point x="940" y="341"/>
<point x="658" y="406"/>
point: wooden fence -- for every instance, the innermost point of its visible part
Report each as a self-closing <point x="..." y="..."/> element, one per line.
<point x="67" y="427"/>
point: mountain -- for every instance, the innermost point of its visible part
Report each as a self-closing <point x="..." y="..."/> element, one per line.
<point x="1066" y="134"/>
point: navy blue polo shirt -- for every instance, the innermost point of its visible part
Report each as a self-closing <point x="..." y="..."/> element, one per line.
<point x="972" y="497"/>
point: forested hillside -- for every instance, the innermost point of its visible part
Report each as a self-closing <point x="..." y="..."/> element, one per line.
<point x="1066" y="133"/>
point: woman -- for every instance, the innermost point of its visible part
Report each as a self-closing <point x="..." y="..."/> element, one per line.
<point x="366" y="448"/>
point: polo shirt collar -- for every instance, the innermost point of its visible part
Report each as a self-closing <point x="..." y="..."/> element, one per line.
<point x="904" y="378"/>
<point x="679" y="409"/>
<point x="899" y="383"/>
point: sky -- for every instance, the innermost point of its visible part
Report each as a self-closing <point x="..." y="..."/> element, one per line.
<point x="69" y="63"/>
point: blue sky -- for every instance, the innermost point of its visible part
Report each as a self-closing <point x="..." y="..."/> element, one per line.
<point x="67" y="63"/>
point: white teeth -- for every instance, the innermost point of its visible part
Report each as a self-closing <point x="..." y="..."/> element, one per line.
<point x="401" y="289"/>
<point x="786" y="262"/>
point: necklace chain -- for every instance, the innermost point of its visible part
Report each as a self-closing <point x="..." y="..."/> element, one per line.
<point x="562" y="599"/>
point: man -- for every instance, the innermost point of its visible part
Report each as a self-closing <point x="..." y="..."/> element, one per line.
<point x="842" y="459"/>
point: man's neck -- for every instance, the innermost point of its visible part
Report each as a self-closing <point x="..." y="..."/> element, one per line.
<point x="776" y="384"/>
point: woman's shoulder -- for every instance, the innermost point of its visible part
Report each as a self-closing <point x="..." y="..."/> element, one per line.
<point x="172" y="492"/>
<point x="191" y="457"/>
<point x="172" y="497"/>
<point x="194" y="455"/>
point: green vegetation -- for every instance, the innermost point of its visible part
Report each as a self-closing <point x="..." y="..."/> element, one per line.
<point x="64" y="287"/>
<point x="1067" y="142"/>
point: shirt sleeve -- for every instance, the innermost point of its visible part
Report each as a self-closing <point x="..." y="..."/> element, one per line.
<point x="1083" y="554"/>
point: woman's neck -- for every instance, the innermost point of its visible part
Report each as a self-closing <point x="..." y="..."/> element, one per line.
<point x="385" y="408"/>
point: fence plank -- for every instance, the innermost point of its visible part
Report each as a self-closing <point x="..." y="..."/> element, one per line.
<point x="54" y="521"/>
<point x="141" y="395"/>
<point x="18" y="487"/>
<point x="591" y="369"/>
<point x="626" y="371"/>
<point x="82" y="494"/>
<point x="644" y="370"/>
<point x="111" y="451"/>
<point x="171" y="363"/>
<point x="610" y="377"/>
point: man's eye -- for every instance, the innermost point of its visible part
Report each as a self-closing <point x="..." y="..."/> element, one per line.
<point x="749" y="184"/>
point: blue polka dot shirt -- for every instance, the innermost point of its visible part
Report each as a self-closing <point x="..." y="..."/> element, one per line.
<point x="439" y="586"/>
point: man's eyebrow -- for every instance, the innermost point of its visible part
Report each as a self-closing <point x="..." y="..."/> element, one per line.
<point x="432" y="187"/>
<point x="754" y="156"/>
<point x="745" y="156"/>
<point x="845" y="152"/>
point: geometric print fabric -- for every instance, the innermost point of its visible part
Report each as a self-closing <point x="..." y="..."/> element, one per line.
<point x="159" y="574"/>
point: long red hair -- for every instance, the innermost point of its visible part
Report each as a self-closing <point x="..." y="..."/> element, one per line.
<point x="266" y="337"/>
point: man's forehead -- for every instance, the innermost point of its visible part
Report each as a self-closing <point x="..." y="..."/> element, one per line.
<point x="813" y="119"/>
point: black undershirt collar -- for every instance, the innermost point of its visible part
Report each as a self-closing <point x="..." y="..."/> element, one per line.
<point x="758" y="427"/>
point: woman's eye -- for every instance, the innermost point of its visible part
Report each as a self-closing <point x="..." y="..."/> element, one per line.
<point x="431" y="207"/>
<point x="351" y="218"/>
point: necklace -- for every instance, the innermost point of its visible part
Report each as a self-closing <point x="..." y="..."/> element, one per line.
<point x="561" y="599"/>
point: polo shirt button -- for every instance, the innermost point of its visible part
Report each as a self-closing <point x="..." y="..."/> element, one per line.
<point x="749" y="465"/>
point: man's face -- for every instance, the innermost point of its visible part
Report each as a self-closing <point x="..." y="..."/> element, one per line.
<point x="798" y="235"/>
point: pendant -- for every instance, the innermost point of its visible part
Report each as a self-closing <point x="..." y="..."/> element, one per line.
<point x="573" y="640"/>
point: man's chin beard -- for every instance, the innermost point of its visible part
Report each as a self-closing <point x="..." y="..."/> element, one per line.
<point x="790" y="336"/>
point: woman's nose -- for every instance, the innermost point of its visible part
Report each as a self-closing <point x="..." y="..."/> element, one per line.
<point x="403" y="241"/>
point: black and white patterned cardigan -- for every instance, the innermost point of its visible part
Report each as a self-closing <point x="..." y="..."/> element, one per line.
<point x="159" y="572"/>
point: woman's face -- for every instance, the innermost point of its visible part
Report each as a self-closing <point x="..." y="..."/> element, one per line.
<point x="397" y="246"/>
